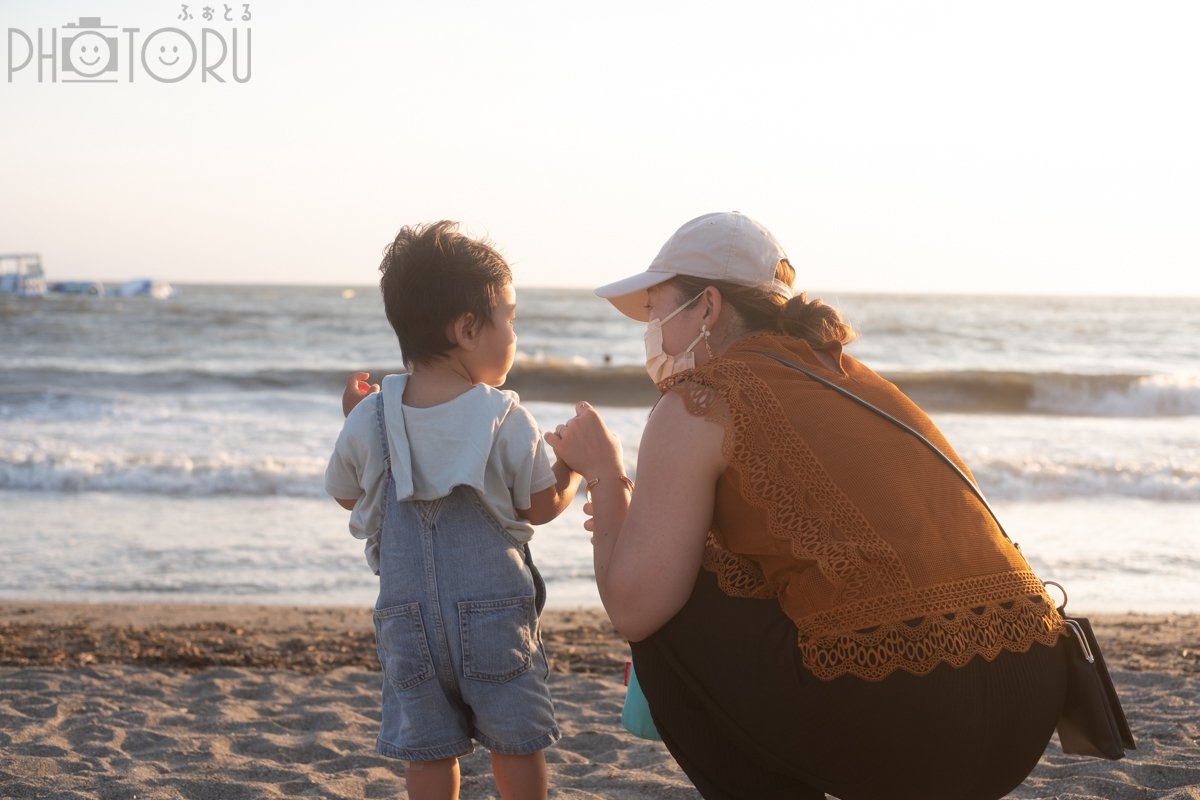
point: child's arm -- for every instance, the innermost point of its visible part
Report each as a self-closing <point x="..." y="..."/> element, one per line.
<point x="356" y="389"/>
<point x="553" y="500"/>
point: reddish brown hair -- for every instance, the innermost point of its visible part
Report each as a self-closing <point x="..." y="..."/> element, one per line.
<point x="763" y="310"/>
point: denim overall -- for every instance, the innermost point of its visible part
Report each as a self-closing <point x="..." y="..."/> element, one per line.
<point x="456" y="625"/>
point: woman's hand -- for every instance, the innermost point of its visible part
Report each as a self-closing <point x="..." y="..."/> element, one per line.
<point x="356" y="389"/>
<point x="587" y="445"/>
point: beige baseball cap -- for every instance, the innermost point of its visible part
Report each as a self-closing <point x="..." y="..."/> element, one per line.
<point x="724" y="246"/>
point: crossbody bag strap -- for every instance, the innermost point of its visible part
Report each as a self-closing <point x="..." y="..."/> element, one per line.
<point x="898" y="423"/>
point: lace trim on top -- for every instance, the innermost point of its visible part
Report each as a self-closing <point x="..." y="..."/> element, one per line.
<point x="946" y="623"/>
<point x="781" y="475"/>
<point x="737" y="576"/>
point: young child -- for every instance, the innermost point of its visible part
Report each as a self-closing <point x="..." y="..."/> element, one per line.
<point x="445" y="477"/>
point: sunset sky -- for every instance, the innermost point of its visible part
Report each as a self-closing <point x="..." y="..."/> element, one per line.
<point x="1015" y="147"/>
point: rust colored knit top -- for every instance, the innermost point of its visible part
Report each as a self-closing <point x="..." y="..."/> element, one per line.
<point x="878" y="552"/>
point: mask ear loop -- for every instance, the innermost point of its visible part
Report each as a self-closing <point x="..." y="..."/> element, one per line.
<point x="705" y="332"/>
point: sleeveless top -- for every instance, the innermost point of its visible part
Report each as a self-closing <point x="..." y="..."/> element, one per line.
<point x="875" y="548"/>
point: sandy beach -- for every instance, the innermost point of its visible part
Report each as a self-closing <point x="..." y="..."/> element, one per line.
<point x="237" y="702"/>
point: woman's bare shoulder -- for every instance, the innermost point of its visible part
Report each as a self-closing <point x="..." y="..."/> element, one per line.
<point x="677" y="425"/>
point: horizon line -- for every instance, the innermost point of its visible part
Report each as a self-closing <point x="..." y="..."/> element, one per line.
<point x="952" y="292"/>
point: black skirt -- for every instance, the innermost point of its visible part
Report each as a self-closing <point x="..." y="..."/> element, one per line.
<point x="745" y="719"/>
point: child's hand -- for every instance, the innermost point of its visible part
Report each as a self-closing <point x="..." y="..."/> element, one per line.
<point x="356" y="389"/>
<point x="563" y="474"/>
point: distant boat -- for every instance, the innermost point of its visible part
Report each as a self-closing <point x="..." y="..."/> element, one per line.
<point x="89" y="288"/>
<point x="144" y="287"/>
<point x="21" y="274"/>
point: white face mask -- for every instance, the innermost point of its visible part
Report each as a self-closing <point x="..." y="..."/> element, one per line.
<point x="659" y="365"/>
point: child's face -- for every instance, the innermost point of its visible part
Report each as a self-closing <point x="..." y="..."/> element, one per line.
<point x="497" y="341"/>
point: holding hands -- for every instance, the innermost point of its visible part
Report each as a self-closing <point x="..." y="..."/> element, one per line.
<point x="590" y="448"/>
<point x="587" y="445"/>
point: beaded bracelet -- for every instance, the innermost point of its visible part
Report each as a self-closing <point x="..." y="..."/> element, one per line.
<point x="592" y="483"/>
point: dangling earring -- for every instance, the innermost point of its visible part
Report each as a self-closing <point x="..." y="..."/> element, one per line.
<point x="705" y="332"/>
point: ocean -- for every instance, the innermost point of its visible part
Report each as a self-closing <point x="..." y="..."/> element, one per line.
<point x="173" y="450"/>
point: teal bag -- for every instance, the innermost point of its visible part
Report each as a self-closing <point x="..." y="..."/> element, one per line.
<point x="635" y="715"/>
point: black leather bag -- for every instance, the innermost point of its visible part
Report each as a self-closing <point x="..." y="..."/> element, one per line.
<point x="1092" y="722"/>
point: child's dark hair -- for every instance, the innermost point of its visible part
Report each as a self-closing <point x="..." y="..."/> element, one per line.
<point x="432" y="275"/>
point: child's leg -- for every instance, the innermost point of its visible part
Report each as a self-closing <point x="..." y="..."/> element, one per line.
<point x="521" y="777"/>
<point x="432" y="780"/>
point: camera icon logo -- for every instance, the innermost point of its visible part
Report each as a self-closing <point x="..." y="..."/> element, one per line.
<point x="89" y="53"/>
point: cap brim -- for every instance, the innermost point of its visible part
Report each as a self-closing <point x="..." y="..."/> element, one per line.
<point x="629" y="294"/>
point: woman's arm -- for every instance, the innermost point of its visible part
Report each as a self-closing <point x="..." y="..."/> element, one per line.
<point x="650" y="559"/>
<point x="648" y="549"/>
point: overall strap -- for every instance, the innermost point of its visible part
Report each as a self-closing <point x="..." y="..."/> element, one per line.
<point x="387" y="453"/>
<point x="902" y="425"/>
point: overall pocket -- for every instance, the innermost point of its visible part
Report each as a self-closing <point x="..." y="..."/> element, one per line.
<point x="497" y="638"/>
<point x="403" y="648"/>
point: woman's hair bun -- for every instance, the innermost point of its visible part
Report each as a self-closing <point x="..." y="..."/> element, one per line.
<point x="815" y="322"/>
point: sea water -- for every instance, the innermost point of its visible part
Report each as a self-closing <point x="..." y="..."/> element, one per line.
<point x="173" y="450"/>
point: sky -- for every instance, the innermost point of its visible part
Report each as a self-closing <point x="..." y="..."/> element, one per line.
<point x="987" y="147"/>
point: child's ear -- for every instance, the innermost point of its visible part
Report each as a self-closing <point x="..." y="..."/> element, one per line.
<point x="464" y="331"/>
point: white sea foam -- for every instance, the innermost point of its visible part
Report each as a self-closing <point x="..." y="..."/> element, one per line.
<point x="76" y="470"/>
<point x="1137" y="396"/>
<point x="1041" y="459"/>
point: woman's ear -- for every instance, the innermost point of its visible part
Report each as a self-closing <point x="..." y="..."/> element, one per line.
<point x="712" y="301"/>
